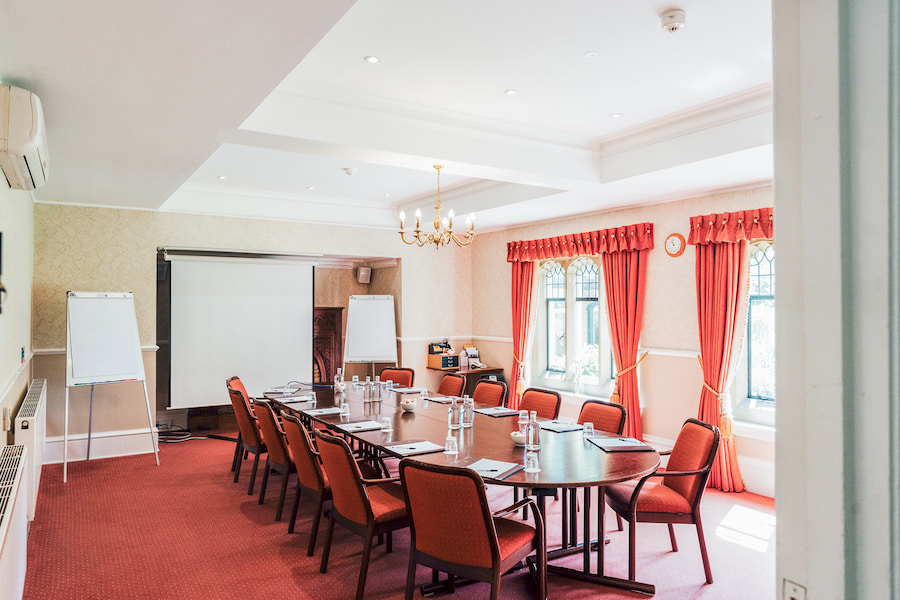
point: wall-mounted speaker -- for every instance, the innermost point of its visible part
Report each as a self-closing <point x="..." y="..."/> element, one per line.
<point x="364" y="274"/>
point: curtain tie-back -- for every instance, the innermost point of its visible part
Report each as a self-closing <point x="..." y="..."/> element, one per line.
<point x="518" y="360"/>
<point x="634" y="366"/>
<point x="718" y="394"/>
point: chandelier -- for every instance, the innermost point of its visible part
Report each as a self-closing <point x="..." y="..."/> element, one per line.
<point x="443" y="228"/>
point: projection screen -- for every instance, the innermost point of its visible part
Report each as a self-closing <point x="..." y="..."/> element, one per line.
<point x="251" y="318"/>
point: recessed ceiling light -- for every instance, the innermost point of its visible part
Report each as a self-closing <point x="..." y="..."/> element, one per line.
<point x="591" y="54"/>
<point x="387" y="195"/>
<point x="510" y="92"/>
<point x="615" y="116"/>
<point x="371" y="59"/>
<point x="222" y="177"/>
<point x="310" y="187"/>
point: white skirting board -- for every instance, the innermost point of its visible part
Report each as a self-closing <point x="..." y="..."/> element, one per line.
<point x="106" y="444"/>
<point x="758" y="475"/>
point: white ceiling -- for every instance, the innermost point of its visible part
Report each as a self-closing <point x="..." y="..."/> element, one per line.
<point x="258" y="109"/>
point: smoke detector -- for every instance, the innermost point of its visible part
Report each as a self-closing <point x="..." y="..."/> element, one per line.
<point x="672" y="20"/>
<point x="349" y="170"/>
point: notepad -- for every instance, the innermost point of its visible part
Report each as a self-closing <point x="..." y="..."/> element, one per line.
<point x="494" y="469"/>
<point x="560" y="426"/>
<point x="409" y="390"/>
<point x="359" y="426"/>
<point x="439" y="399"/>
<point x="497" y="411"/>
<point x="620" y="444"/>
<point x="412" y="448"/>
<point x="335" y="410"/>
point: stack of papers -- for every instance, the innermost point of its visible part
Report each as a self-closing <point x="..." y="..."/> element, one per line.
<point x="409" y="390"/>
<point x="560" y="426"/>
<point x="494" y="469"/>
<point x="411" y="448"/>
<point x="359" y="426"/>
<point x="335" y="410"/>
<point x="620" y="444"/>
<point x="497" y="411"/>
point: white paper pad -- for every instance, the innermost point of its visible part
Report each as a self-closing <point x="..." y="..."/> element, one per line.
<point x="359" y="426"/>
<point x="335" y="410"/>
<point x="497" y="411"/>
<point x="619" y="444"/>
<point x="560" y="426"/>
<point x="409" y="448"/>
<point x="494" y="469"/>
<point x="409" y="390"/>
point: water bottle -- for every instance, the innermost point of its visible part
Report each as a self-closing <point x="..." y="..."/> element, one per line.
<point x="468" y="412"/>
<point x="368" y="391"/>
<point x="453" y="415"/>
<point x="533" y="433"/>
<point x="339" y="380"/>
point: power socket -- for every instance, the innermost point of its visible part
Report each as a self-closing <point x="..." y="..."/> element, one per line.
<point x="793" y="591"/>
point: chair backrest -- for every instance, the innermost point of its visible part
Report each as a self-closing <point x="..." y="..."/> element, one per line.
<point x="545" y="402"/>
<point x="606" y="416"/>
<point x="246" y="420"/>
<point x="348" y="494"/>
<point x="459" y="532"/>
<point x="490" y="392"/>
<point x="694" y="449"/>
<point x="403" y="377"/>
<point x="308" y="468"/>
<point x="272" y="434"/>
<point x="451" y="385"/>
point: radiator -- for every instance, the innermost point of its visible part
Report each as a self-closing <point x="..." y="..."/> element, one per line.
<point x="30" y="429"/>
<point x="13" y="522"/>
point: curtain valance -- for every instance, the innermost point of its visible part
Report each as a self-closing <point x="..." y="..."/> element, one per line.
<point x="589" y="243"/>
<point x="732" y="227"/>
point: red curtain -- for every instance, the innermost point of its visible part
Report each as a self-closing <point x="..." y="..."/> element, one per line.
<point x="624" y="251"/>
<point x="623" y="275"/>
<point x="721" y="270"/>
<point x="522" y="292"/>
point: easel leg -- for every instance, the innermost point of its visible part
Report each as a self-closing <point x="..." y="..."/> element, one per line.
<point x="150" y="418"/>
<point x="90" y="422"/>
<point x="66" y="440"/>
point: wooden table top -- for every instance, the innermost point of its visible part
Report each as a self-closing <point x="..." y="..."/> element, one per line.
<point x="566" y="459"/>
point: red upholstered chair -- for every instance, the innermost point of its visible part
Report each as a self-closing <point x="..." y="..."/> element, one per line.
<point x="675" y="499"/>
<point x="278" y="458"/>
<point x="463" y="537"/>
<point x="401" y="376"/>
<point x="311" y="478"/>
<point x="545" y="402"/>
<point x="490" y="392"/>
<point x="237" y="384"/>
<point x="451" y="385"/>
<point x="365" y="507"/>
<point x="251" y="439"/>
<point x="607" y="417"/>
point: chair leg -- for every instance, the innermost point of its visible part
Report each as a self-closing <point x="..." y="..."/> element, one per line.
<point x="314" y="531"/>
<point x="495" y="585"/>
<point x="237" y="470"/>
<point x="703" y="554"/>
<point x="619" y="521"/>
<point x="632" y="525"/>
<point x="237" y="452"/>
<point x="253" y="474"/>
<point x="364" y="568"/>
<point x="672" y="538"/>
<point x="284" y="484"/>
<point x="265" y="481"/>
<point x="323" y="567"/>
<point x="411" y="576"/>
<point x="294" y="510"/>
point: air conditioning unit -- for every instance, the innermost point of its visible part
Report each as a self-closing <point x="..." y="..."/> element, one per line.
<point x="23" y="139"/>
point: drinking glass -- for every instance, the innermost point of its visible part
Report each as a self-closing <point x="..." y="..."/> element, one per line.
<point x="345" y="409"/>
<point x="386" y="424"/>
<point x="531" y="463"/>
<point x="355" y="381"/>
<point x="523" y="421"/>
<point x="588" y="431"/>
<point x="450" y="445"/>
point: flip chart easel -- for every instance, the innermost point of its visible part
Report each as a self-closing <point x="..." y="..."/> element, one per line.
<point x="102" y="346"/>
<point x="371" y="331"/>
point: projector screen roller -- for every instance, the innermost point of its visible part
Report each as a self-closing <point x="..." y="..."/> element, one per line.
<point x="252" y="319"/>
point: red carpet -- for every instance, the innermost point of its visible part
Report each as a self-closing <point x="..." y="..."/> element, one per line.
<point x="125" y="528"/>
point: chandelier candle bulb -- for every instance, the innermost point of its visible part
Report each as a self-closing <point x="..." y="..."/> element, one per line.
<point x="450" y="219"/>
<point x="402" y="219"/>
<point x="418" y="217"/>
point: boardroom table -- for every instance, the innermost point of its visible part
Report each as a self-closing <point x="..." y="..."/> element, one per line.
<point x="567" y="460"/>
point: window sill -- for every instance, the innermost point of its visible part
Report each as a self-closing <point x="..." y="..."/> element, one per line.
<point x="753" y="431"/>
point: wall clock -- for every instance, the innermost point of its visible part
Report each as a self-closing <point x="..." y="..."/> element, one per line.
<point x="675" y="244"/>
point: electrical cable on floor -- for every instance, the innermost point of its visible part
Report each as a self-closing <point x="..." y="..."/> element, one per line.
<point x="173" y="434"/>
